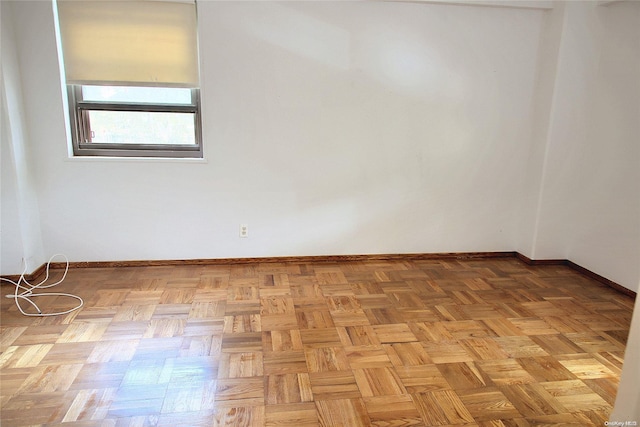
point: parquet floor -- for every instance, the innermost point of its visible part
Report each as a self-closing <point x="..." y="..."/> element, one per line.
<point x="481" y="343"/>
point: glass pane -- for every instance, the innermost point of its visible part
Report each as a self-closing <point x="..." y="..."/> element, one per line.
<point x="133" y="127"/>
<point x="150" y="95"/>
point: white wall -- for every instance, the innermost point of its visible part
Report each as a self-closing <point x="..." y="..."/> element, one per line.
<point x="21" y="237"/>
<point x="11" y="246"/>
<point x="365" y="127"/>
<point x="330" y="128"/>
<point x="589" y="211"/>
<point x="541" y="101"/>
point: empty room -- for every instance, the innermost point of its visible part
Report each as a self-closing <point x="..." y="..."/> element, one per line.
<point x="320" y="213"/>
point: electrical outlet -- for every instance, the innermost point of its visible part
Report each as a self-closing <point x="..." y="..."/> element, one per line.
<point x="244" y="230"/>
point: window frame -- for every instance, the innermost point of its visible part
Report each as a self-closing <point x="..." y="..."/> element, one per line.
<point x="81" y="128"/>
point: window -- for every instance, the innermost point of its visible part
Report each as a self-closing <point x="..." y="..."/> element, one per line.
<point x="135" y="121"/>
<point x="131" y="71"/>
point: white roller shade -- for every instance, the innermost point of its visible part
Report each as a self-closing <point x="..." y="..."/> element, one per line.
<point x="130" y="42"/>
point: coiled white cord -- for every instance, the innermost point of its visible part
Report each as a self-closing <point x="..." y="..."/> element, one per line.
<point x="25" y="292"/>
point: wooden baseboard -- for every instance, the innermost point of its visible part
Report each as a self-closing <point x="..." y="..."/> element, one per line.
<point x="530" y="261"/>
<point x="333" y="258"/>
<point x="580" y="269"/>
<point x="28" y="277"/>
<point x="601" y="279"/>
<point x="288" y="259"/>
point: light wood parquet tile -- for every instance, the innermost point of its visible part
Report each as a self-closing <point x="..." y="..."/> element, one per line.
<point x="158" y="348"/>
<point x="462" y="376"/>
<point x="379" y="382"/>
<point x="326" y="359"/>
<point x="395" y="410"/>
<point x="134" y="313"/>
<point x="241" y="365"/>
<point x="342" y="412"/>
<point x="422" y="378"/>
<point x="241" y="391"/>
<point x="334" y="385"/>
<point x="442" y="407"/>
<point x="362" y="357"/>
<point x="292" y="415"/>
<point x="407" y="354"/>
<point x="283" y="362"/>
<point x="604" y="387"/>
<point x="288" y="388"/>
<point x="27" y="356"/>
<point x="487" y="403"/>
<point x="455" y="342"/>
<point x="90" y="404"/>
<point x="504" y="372"/>
<point x="92" y="376"/>
<point x="533" y="400"/>
<point x="278" y="341"/>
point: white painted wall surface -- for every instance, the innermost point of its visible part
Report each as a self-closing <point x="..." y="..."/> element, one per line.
<point x="330" y="128"/>
<point x="590" y="206"/>
<point x="542" y="101"/>
<point x="21" y="237"/>
<point x="11" y="249"/>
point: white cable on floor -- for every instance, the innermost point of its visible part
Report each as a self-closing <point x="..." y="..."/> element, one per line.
<point x="27" y="291"/>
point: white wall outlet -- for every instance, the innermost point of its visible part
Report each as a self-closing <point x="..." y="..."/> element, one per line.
<point x="244" y="230"/>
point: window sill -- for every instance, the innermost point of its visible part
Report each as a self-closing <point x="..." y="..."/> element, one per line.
<point x="110" y="159"/>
